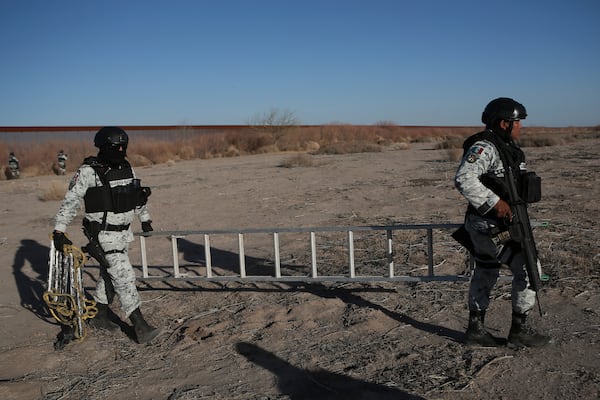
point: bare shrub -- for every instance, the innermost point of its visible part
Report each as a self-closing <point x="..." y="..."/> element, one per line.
<point x="298" y="160"/>
<point x="454" y="154"/>
<point x="157" y="151"/>
<point x="401" y="146"/>
<point x="350" y="147"/>
<point x="53" y="191"/>
<point x="186" y="152"/>
<point x="451" y="142"/>
<point x="249" y="142"/>
<point x="544" y="140"/>
<point x="271" y="148"/>
<point x="232" y="151"/>
<point x="138" y="160"/>
<point x="312" y="146"/>
<point x="275" y="121"/>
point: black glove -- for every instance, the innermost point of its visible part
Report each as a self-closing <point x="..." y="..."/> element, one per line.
<point x="147" y="226"/>
<point x="60" y="240"/>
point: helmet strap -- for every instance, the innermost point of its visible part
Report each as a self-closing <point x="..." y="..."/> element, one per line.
<point x="505" y="134"/>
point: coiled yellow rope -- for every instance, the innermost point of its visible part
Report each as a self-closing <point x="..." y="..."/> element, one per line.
<point x="68" y="305"/>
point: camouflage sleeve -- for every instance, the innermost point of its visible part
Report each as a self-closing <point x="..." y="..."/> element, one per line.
<point x="142" y="211"/>
<point x="478" y="160"/>
<point x="84" y="178"/>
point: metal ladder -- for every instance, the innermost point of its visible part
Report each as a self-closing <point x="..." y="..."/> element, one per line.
<point x="314" y="275"/>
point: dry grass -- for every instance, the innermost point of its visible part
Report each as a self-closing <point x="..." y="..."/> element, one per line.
<point x="298" y="160"/>
<point x="38" y="158"/>
<point x="53" y="191"/>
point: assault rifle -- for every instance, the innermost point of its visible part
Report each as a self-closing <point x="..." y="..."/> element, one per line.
<point x="520" y="227"/>
<point x="94" y="249"/>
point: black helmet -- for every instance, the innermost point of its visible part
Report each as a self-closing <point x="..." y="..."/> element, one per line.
<point x="503" y="108"/>
<point x="111" y="135"/>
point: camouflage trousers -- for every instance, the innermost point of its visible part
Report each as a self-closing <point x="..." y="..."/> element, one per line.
<point x="123" y="278"/>
<point x="490" y="255"/>
<point x="484" y="280"/>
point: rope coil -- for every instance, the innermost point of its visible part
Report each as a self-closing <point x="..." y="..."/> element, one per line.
<point x="65" y="295"/>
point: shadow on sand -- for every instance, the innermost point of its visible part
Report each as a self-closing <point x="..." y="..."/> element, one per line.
<point x="32" y="285"/>
<point x="302" y="384"/>
<point x="194" y="253"/>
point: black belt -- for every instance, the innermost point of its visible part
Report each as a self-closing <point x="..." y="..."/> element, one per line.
<point x="97" y="226"/>
<point x="117" y="228"/>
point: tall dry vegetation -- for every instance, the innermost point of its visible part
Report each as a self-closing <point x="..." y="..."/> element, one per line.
<point x="37" y="158"/>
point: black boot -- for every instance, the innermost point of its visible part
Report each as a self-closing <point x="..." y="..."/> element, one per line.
<point x="476" y="333"/>
<point x="102" y="319"/>
<point x="143" y="332"/>
<point x="523" y="335"/>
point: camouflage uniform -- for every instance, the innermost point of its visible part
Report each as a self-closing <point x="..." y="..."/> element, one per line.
<point x="62" y="159"/>
<point x="488" y="233"/>
<point x="114" y="243"/>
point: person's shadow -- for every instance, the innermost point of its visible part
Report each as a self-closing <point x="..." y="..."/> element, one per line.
<point x="31" y="286"/>
<point x="302" y="384"/>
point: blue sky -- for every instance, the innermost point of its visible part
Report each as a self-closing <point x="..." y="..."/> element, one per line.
<point x="174" y="62"/>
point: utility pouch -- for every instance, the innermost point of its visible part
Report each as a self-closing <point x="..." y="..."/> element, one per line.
<point x="98" y="199"/>
<point x="124" y="198"/>
<point x="531" y="187"/>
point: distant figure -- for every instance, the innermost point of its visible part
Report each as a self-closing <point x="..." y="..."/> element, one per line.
<point x="62" y="163"/>
<point x="13" y="171"/>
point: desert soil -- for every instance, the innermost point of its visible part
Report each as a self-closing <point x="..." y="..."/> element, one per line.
<point x="274" y="340"/>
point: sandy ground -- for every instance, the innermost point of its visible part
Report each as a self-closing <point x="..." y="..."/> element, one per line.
<point x="316" y="340"/>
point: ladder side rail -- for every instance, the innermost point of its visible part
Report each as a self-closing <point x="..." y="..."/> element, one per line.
<point x="207" y="257"/>
<point x="390" y="252"/>
<point x="144" y="256"/>
<point x="175" y="256"/>
<point x="277" y="255"/>
<point x="313" y="253"/>
<point x="242" y="255"/>
<point x="351" y="254"/>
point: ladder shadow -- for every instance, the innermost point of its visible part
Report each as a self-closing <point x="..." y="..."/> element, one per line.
<point x="349" y="297"/>
<point x="193" y="252"/>
<point x="302" y="384"/>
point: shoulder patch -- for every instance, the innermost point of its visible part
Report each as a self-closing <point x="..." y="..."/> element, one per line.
<point x="74" y="180"/>
<point x="474" y="152"/>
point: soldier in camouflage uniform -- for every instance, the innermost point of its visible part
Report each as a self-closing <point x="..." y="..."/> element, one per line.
<point x="112" y="196"/>
<point x="479" y="179"/>
<point x="13" y="171"/>
<point x="62" y="158"/>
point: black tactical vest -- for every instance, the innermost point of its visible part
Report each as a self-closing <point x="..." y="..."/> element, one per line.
<point x="117" y="199"/>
